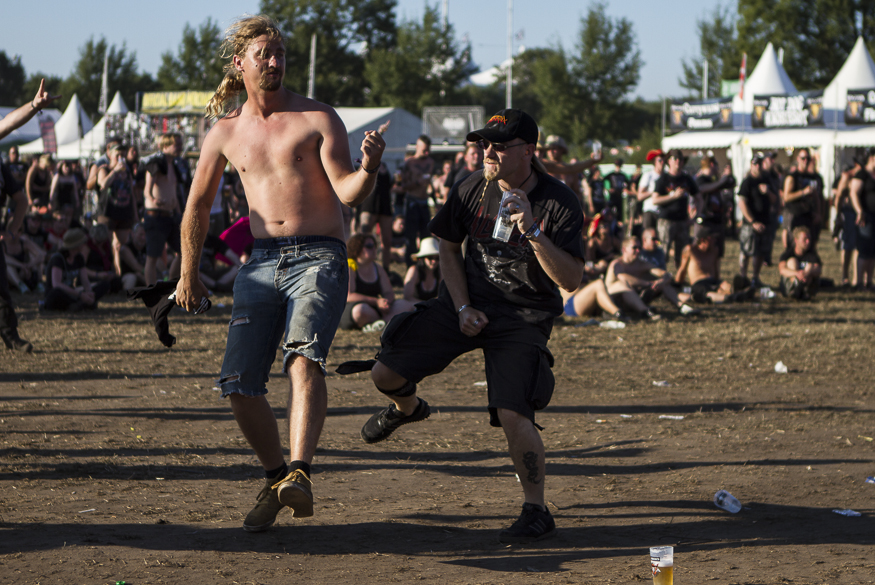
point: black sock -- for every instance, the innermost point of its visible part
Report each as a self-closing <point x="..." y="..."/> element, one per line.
<point x="281" y="470"/>
<point x="302" y="465"/>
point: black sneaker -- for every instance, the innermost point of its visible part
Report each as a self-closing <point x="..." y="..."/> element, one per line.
<point x="384" y="423"/>
<point x="533" y="524"/>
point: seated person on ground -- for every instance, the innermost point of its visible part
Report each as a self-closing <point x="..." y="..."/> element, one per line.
<point x="67" y="281"/>
<point x="633" y="283"/>
<point x="800" y="267"/>
<point x="370" y="302"/>
<point x="399" y="240"/>
<point x="133" y="259"/>
<point x="24" y="262"/>
<point x="99" y="258"/>
<point x="651" y="249"/>
<point x="601" y="247"/>
<point x="589" y="300"/>
<point x="423" y="278"/>
<point x="215" y="273"/>
<point x="699" y="262"/>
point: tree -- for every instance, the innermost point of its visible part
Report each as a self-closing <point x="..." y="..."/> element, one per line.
<point x="197" y="64"/>
<point x="11" y="80"/>
<point x="719" y="47"/>
<point x="427" y="67"/>
<point x="341" y="27"/>
<point x="85" y="80"/>
<point x="817" y="36"/>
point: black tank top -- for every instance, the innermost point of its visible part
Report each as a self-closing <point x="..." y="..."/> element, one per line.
<point x="421" y="293"/>
<point x="369" y="289"/>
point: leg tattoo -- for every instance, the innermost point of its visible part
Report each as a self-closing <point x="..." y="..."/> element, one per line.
<point x="530" y="460"/>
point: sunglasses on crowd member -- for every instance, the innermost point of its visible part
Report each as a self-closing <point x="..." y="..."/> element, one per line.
<point x="496" y="146"/>
<point x="370" y="246"/>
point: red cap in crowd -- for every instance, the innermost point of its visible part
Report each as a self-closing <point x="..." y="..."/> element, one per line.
<point x="653" y="154"/>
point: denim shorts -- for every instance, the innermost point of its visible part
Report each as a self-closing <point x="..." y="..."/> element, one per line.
<point x="292" y="289"/>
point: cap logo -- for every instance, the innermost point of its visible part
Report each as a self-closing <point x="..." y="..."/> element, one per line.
<point x="498" y="119"/>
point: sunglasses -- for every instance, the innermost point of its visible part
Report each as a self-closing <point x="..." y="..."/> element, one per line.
<point x="496" y="146"/>
<point x="370" y="246"/>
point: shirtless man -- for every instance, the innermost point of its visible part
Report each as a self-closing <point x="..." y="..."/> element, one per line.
<point x="416" y="177"/>
<point x="633" y="283"/>
<point x="295" y="165"/>
<point x="699" y="262"/>
<point x="162" y="205"/>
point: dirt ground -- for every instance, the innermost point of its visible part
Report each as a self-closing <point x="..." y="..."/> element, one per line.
<point x="120" y="462"/>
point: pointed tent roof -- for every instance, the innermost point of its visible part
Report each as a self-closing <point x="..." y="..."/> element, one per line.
<point x="858" y="72"/>
<point x="117" y="106"/>
<point x="69" y="128"/>
<point x="768" y="77"/>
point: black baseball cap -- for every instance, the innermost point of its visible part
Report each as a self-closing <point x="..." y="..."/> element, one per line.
<point x="506" y="125"/>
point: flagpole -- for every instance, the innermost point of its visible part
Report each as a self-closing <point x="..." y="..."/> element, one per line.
<point x="509" y="81"/>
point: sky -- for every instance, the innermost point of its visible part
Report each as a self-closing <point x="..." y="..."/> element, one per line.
<point x="48" y="35"/>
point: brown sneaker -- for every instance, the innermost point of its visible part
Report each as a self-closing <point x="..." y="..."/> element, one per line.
<point x="296" y="492"/>
<point x="264" y="513"/>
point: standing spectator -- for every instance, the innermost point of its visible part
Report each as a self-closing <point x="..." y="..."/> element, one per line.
<point x="102" y="161"/>
<point x="117" y="208"/>
<point x="798" y="196"/>
<point x="594" y="192"/>
<point x="39" y="182"/>
<point x="863" y="201"/>
<point x="755" y="201"/>
<point x="423" y="278"/>
<point x="776" y="181"/>
<point x="377" y="210"/>
<point x="416" y="176"/>
<point x="65" y="189"/>
<point x="819" y="203"/>
<point x="16" y="166"/>
<point x="673" y="192"/>
<point x="800" y="266"/>
<point x="711" y="208"/>
<point x="646" y="189"/>
<point x="633" y="219"/>
<point x="473" y="161"/>
<point x="161" y="199"/>
<point x="846" y="223"/>
<point x="619" y="184"/>
<point x="438" y="183"/>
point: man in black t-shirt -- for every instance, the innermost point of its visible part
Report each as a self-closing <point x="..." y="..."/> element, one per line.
<point x="800" y="267"/>
<point x="863" y="201"/>
<point x="9" y="187"/>
<point x="618" y="182"/>
<point x="672" y="195"/>
<point x="755" y="201"/>
<point x="501" y="297"/>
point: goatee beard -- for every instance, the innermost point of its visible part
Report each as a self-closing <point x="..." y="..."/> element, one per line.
<point x="490" y="173"/>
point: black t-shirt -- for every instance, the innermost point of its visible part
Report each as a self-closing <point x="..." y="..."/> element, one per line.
<point x="758" y="203"/>
<point x="506" y="276"/>
<point x="804" y="205"/>
<point x="70" y="270"/>
<point x="618" y="181"/>
<point x="809" y="256"/>
<point x="457" y="175"/>
<point x="867" y="193"/>
<point x="675" y="210"/>
<point x="598" y="194"/>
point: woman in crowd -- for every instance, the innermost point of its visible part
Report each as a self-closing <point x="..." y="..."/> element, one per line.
<point x="38" y="182"/>
<point x="589" y="300"/>
<point x="65" y="189"/>
<point x="422" y="279"/>
<point x="370" y="302"/>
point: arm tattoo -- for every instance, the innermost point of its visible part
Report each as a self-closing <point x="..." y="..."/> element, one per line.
<point x="530" y="460"/>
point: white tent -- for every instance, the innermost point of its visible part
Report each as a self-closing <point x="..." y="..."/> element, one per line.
<point x="858" y="72"/>
<point x="69" y="128"/>
<point x="91" y="145"/>
<point x="768" y="77"/>
<point x="404" y="129"/>
<point x="30" y="130"/>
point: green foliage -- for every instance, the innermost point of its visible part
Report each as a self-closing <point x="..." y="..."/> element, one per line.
<point x="426" y="67"/>
<point x="123" y="75"/>
<point x="197" y="64"/>
<point x="719" y="46"/>
<point x="11" y="80"/>
<point x="341" y="26"/>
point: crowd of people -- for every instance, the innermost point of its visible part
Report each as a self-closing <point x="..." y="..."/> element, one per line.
<point x="495" y="243"/>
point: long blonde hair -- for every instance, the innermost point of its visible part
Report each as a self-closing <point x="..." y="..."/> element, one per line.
<point x="238" y="37"/>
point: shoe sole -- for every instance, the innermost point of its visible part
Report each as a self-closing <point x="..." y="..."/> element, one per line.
<point x="297" y="499"/>
<point x="525" y="539"/>
<point x="261" y="528"/>
<point x="386" y="436"/>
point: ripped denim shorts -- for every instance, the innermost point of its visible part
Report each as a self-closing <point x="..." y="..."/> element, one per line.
<point x="292" y="289"/>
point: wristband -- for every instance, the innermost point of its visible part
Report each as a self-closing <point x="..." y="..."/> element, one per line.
<point x="533" y="232"/>
<point x="462" y="308"/>
<point x="370" y="172"/>
<point x="32" y="107"/>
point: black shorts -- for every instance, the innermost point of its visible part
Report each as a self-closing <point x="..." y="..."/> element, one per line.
<point x="160" y="230"/>
<point x="519" y="371"/>
<point x="702" y="287"/>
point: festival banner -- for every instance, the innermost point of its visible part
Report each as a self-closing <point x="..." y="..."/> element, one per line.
<point x="47" y="133"/>
<point x="861" y="106"/>
<point x="704" y="115"/>
<point x="788" y="110"/>
<point x="175" y="102"/>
